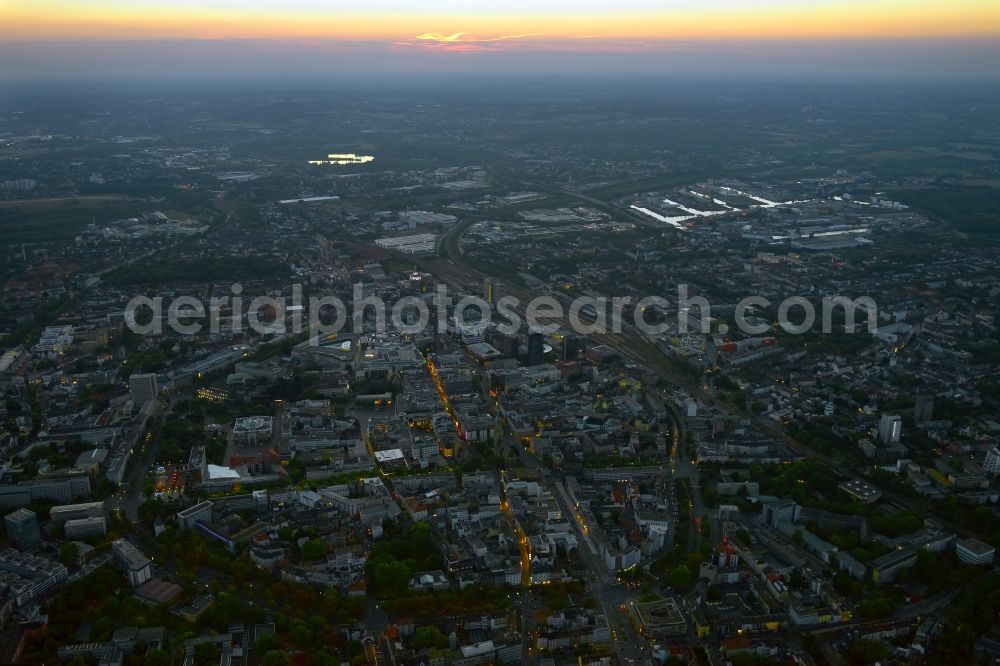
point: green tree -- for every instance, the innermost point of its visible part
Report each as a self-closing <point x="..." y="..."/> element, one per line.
<point x="313" y="549"/>
<point x="681" y="577"/>
<point x="429" y="637"/>
<point x="205" y="654"/>
<point x="157" y="658"/>
<point x="324" y="658"/>
<point x="266" y="643"/>
<point x="67" y="554"/>
<point x="390" y="576"/>
<point x="866" y="651"/>
<point x="875" y="608"/>
<point x="275" y="658"/>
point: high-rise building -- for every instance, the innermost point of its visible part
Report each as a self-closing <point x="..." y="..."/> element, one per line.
<point x="143" y="389"/>
<point x="536" y="348"/>
<point x="471" y="333"/>
<point x="506" y="343"/>
<point x="197" y="469"/>
<point x="992" y="463"/>
<point x="783" y="511"/>
<point x="489" y="291"/>
<point x="890" y="427"/>
<point x="572" y="346"/>
<point x="923" y="408"/>
<point x="22" y="528"/>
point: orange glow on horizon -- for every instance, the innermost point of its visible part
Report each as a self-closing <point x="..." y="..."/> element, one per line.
<point x="850" y="19"/>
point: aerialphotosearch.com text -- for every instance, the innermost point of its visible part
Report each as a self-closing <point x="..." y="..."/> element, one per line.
<point x="414" y="315"/>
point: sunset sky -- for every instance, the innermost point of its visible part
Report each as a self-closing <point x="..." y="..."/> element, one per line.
<point x="69" y="38"/>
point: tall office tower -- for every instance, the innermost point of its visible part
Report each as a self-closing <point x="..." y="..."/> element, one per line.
<point x="22" y="528"/>
<point x="923" y="408"/>
<point x="572" y="346"/>
<point x="143" y="389"/>
<point x="890" y="426"/>
<point x="489" y="291"/>
<point x="536" y="347"/>
<point x="506" y="343"/>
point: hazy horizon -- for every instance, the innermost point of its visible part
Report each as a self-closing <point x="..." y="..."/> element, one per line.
<point x="51" y="39"/>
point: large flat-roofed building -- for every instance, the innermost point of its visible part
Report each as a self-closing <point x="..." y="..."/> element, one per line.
<point x="27" y="576"/>
<point x="926" y="538"/>
<point x="861" y="490"/>
<point x="137" y="566"/>
<point x="476" y="426"/>
<point x="781" y="511"/>
<point x="253" y="430"/>
<point x="91" y="462"/>
<point x="377" y="359"/>
<point x="884" y="569"/>
<point x="390" y="459"/>
<point x="54" y="341"/>
<point x="123" y="642"/>
<point x="22" y="528"/>
<point x="83" y="528"/>
<point x="62" y="491"/>
<point x="416" y="244"/>
<point x="483" y="351"/>
<point x="974" y="551"/>
<point x="64" y="512"/>
<point x="659" y="619"/>
<point x="191" y="516"/>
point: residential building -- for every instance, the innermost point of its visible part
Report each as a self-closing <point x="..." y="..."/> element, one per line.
<point x="890" y="427"/>
<point x="137" y="566"/>
<point x="27" y="576"/>
<point x="143" y="389"/>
